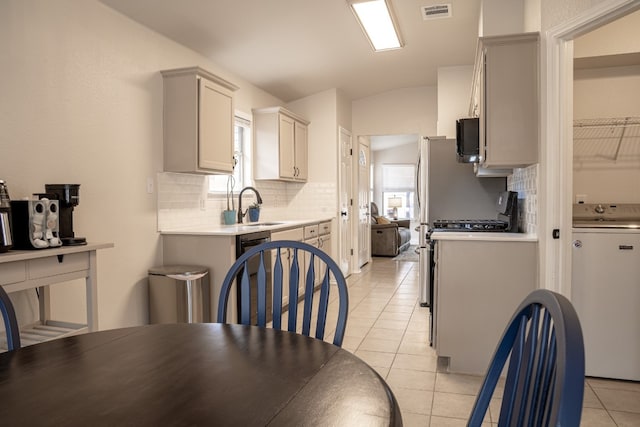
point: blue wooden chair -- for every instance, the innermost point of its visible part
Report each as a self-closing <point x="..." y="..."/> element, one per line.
<point x="10" y="321"/>
<point x="247" y="262"/>
<point x="545" y="378"/>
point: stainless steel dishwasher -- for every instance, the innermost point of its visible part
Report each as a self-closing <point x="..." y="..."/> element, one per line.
<point x="244" y="242"/>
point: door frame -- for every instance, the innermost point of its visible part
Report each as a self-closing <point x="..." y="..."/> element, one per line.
<point x="363" y="141"/>
<point x="350" y="231"/>
<point x="556" y="168"/>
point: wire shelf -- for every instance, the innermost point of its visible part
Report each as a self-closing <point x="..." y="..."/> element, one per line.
<point x="607" y="139"/>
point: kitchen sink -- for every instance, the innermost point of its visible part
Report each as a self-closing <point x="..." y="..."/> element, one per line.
<point x="259" y="224"/>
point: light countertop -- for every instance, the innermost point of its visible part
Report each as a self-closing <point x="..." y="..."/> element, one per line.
<point x="248" y="227"/>
<point x="484" y="236"/>
<point x="22" y="255"/>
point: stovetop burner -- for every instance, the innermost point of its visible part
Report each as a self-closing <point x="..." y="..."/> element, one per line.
<point x="471" y="225"/>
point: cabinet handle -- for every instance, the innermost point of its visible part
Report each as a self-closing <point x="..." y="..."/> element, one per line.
<point x="625" y="247"/>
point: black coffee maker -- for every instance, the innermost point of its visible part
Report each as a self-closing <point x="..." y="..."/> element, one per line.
<point x="68" y="196"/>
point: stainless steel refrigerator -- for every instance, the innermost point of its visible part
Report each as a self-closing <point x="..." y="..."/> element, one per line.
<point x="447" y="189"/>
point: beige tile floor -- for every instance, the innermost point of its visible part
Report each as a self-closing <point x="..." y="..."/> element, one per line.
<point x="389" y="330"/>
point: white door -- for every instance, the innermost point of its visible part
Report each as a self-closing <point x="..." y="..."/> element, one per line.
<point x="364" y="224"/>
<point x="346" y="200"/>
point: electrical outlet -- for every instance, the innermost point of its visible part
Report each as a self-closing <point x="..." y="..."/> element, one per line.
<point x="581" y="198"/>
<point x="149" y="185"/>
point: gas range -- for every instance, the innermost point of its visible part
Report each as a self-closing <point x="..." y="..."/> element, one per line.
<point x="470" y="225"/>
<point x="506" y="221"/>
<point x="602" y="215"/>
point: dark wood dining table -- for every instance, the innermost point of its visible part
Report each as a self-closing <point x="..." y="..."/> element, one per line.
<point x="191" y="375"/>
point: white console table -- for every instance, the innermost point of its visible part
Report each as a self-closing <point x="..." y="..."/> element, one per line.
<point x="29" y="269"/>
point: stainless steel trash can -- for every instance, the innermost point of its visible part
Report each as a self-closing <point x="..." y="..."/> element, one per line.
<point x="179" y="294"/>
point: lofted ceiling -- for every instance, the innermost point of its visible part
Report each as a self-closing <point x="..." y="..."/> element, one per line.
<point x="295" y="48"/>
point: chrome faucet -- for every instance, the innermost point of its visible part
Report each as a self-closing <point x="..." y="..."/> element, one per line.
<point x="240" y="214"/>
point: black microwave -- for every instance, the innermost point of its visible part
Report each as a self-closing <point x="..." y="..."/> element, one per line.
<point x="468" y="140"/>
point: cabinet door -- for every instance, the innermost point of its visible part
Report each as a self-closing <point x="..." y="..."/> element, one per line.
<point x="301" y="155"/>
<point x="215" y="127"/>
<point x="324" y="243"/>
<point x="475" y="303"/>
<point x="287" y="146"/>
<point x="509" y="97"/>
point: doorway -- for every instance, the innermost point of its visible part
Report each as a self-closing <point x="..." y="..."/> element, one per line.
<point x="393" y="161"/>
<point x="556" y="203"/>
<point x="606" y="113"/>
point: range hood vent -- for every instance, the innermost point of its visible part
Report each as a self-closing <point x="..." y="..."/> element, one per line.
<point x="436" y="11"/>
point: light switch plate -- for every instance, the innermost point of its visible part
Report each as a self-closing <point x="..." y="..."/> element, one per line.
<point x="149" y="185"/>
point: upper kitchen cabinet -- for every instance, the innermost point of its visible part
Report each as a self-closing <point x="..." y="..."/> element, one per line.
<point x="280" y="145"/>
<point x="198" y="122"/>
<point x="505" y="97"/>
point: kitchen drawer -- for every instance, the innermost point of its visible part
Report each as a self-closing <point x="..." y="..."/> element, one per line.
<point x="13" y="272"/>
<point x="51" y="266"/>
<point x="311" y="231"/>
<point x="325" y="228"/>
<point x="296" y="234"/>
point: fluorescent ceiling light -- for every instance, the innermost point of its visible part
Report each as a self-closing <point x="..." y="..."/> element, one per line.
<point x="376" y="19"/>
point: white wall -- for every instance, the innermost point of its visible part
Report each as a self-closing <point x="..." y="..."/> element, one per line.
<point x="607" y="93"/>
<point x="619" y="37"/>
<point x="531" y="15"/>
<point x="82" y="103"/>
<point x="499" y="17"/>
<point x="454" y="95"/>
<point x="398" y="112"/>
<point x="322" y="133"/>
<point x="554" y="12"/>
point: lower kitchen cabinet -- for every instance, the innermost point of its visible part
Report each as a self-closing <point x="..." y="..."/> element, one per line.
<point x="478" y="286"/>
<point x="217" y="252"/>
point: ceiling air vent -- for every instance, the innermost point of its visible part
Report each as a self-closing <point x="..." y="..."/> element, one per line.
<point x="436" y="11"/>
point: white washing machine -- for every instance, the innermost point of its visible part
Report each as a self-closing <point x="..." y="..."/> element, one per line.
<point x="606" y="288"/>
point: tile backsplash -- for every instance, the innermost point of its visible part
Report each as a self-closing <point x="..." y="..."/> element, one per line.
<point x="525" y="182"/>
<point x="184" y="202"/>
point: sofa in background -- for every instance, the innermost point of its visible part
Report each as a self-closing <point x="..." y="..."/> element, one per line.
<point x="388" y="237"/>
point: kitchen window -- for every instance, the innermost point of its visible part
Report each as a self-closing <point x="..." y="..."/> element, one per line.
<point x="242" y="155"/>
